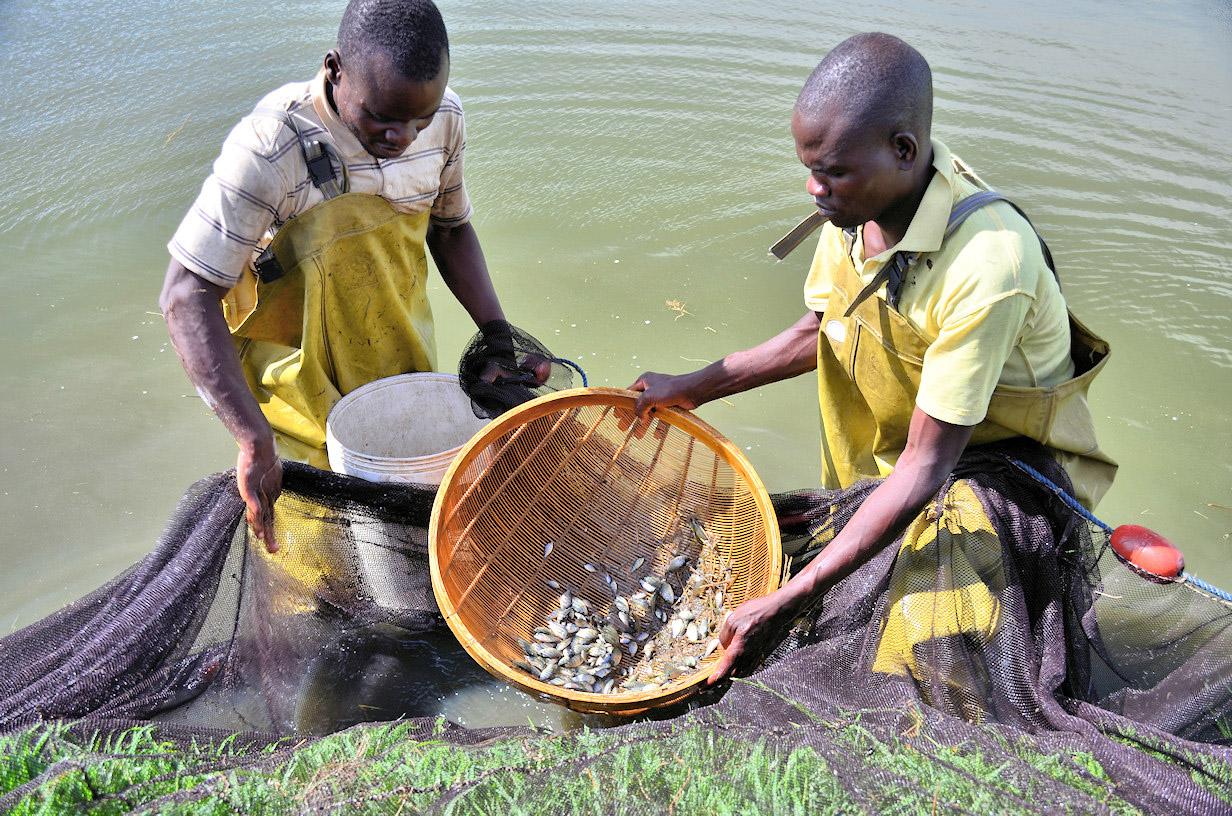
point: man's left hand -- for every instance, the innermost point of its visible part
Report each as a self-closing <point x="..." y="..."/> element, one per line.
<point x="533" y="371"/>
<point x="749" y="632"/>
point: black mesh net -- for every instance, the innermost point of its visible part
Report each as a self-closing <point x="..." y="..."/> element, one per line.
<point x="503" y="366"/>
<point x="954" y="645"/>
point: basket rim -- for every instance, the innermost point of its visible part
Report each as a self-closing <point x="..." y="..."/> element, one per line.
<point x="625" y="703"/>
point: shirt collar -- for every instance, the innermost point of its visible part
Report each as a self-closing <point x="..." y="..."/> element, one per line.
<point x="344" y="140"/>
<point x="927" y="227"/>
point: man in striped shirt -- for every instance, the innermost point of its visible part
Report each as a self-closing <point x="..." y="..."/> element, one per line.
<point x="299" y="273"/>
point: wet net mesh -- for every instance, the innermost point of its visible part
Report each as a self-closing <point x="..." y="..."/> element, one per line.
<point x="1045" y="673"/>
<point x="503" y="366"/>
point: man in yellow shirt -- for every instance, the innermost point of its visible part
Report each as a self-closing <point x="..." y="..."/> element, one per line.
<point x="935" y="323"/>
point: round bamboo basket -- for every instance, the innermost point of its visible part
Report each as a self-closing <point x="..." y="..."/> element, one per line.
<point x="611" y="497"/>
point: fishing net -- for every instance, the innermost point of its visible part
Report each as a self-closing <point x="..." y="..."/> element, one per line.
<point x="949" y="651"/>
<point x="503" y="366"/>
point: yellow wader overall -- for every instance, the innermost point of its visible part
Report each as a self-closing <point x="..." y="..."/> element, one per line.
<point x="345" y="304"/>
<point x="948" y="574"/>
<point x="350" y="308"/>
<point x="869" y="365"/>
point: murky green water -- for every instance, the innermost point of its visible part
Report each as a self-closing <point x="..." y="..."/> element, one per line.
<point x="621" y="155"/>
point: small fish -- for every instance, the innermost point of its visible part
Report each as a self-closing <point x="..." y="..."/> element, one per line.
<point x="677" y="563"/>
<point x="710" y="647"/>
<point x="699" y="532"/>
<point x="637" y="564"/>
<point x="636" y="686"/>
<point x="588" y="567"/>
<point x="548" y="549"/>
<point x="552" y="584"/>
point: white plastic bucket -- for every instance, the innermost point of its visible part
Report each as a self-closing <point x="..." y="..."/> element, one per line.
<point x="407" y="428"/>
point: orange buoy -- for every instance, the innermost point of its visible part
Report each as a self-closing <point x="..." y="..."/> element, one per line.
<point x="1148" y="550"/>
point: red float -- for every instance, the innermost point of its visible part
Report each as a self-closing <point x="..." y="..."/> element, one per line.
<point x="1148" y="551"/>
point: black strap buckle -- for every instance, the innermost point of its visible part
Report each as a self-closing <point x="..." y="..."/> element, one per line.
<point x="267" y="267"/>
<point x="320" y="169"/>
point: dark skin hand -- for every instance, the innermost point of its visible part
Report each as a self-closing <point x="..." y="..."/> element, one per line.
<point x="933" y="448"/>
<point x="192" y="308"/>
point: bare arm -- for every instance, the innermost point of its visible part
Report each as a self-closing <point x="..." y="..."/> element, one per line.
<point x="192" y="308"/>
<point x="933" y="448"/>
<point x="461" y="263"/>
<point x="788" y="354"/>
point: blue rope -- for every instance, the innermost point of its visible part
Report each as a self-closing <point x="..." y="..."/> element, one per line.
<point x="1064" y="496"/>
<point x="572" y="365"/>
<point x="1200" y="584"/>
<point x="1060" y="492"/>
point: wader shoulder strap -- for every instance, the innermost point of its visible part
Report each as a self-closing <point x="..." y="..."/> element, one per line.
<point x="319" y="158"/>
<point x="783" y="246"/>
<point x="895" y="269"/>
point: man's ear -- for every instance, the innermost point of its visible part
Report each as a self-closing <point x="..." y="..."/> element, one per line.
<point x="333" y="66"/>
<point x="906" y="149"/>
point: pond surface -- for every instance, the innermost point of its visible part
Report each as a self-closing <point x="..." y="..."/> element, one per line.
<point x="622" y="157"/>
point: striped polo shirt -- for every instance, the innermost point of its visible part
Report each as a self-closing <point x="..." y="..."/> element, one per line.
<point x="260" y="180"/>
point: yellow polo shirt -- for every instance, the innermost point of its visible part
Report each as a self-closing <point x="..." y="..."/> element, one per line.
<point x="984" y="297"/>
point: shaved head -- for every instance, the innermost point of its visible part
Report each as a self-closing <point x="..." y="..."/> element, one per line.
<point x="875" y="84"/>
<point x="410" y="33"/>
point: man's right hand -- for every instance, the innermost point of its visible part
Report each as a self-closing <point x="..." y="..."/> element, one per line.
<point x="259" y="474"/>
<point x="664" y="391"/>
<point x="202" y="339"/>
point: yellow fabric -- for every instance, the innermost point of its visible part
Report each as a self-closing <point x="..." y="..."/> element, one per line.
<point x="307" y="559"/>
<point x="984" y="298"/>
<point x="871" y="366"/>
<point x="945" y="583"/>
<point x="351" y="308"/>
